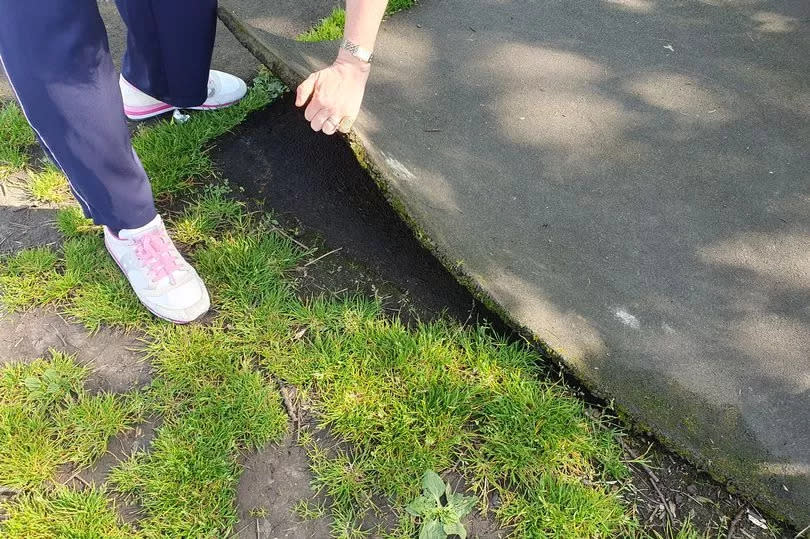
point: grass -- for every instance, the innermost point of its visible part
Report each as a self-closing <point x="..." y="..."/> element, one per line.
<point x="331" y="27"/>
<point x="16" y="136"/>
<point x="175" y="155"/>
<point x="48" y="419"/>
<point x="440" y="397"/>
<point x="214" y="407"/>
<point x="48" y="186"/>
<point x="64" y="513"/>
<point x="397" y="400"/>
<point x="72" y="223"/>
<point x="207" y="214"/>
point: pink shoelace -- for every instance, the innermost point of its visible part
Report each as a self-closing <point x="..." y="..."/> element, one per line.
<point x="154" y="251"/>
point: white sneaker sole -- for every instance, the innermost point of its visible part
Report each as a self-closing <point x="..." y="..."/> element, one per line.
<point x="142" y="113"/>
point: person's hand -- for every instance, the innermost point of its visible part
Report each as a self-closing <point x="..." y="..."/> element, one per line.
<point x="333" y="95"/>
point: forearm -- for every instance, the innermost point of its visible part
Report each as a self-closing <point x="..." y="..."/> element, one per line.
<point x="363" y="19"/>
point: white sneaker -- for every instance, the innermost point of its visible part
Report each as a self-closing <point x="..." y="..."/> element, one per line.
<point x="163" y="281"/>
<point x="223" y="91"/>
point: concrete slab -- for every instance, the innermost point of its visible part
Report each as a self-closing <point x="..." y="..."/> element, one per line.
<point x="629" y="180"/>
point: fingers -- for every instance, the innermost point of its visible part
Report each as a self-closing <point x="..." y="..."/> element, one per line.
<point x="304" y="91"/>
<point x="322" y="110"/>
<point x="330" y="125"/>
<point x="319" y="119"/>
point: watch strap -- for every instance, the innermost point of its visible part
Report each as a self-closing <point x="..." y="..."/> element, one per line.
<point x="357" y="51"/>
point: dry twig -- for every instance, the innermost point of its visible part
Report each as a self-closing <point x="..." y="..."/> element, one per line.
<point x="735" y="522"/>
<point x="802" y="532"/>
<point x="653" y="481"/>
<point x="295" y="241"/>
<point x="333" y="251"/>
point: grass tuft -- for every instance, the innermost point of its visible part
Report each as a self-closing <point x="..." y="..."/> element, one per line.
<point x="29" y="278"/>
<point x="212" y="211"/>
<point x="63" y="513"/>
<point x="47" y="419"/>
<point x="246" y="270"/>
<point x="48" y="186"/>
<point x="72" y="223"/>
<point x="174" y="155"/>
<point x="399" y="5"/>
<point x="15" y="138"/>
<point x="331" y="27"/>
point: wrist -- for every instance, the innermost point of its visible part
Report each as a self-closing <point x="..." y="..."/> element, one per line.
<point x="345" y="58"/>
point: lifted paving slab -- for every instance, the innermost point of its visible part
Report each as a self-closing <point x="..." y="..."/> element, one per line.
<point x="629" y="181"/>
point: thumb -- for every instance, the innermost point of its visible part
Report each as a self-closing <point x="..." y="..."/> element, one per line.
<point x="304" y="91"/>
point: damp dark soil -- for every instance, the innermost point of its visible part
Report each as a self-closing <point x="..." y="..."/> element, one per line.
<point x="315" y="181"/>
<point x="320" y="193"/>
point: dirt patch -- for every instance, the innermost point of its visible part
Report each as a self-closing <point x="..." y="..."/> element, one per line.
<point x="114" y="360"/>
<point x="120" y="448"/>
<point x="23" y="225"/>
<point x="275" y="479"/>
<point x="690" y="494"/>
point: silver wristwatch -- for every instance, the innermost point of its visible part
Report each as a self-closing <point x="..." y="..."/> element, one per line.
<point x="357" y="51"/>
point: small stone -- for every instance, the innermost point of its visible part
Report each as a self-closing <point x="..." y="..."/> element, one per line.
<point x="692" y="489"/>
<point x="678" y="499"/>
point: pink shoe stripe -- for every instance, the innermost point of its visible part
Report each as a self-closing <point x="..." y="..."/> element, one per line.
<point x="149" y="109"/>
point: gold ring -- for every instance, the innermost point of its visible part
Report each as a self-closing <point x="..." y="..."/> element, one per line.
<point x="345" y="124"/>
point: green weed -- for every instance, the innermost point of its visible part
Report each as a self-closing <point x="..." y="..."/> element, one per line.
<point x="440" y="509"/>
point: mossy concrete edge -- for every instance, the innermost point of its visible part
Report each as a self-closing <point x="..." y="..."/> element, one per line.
<point x="736" y="473"/>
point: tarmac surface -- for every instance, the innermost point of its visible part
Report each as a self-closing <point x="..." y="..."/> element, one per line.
<point x="629" y="181"/>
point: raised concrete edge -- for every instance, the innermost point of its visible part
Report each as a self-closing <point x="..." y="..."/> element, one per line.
<point x="292" y="65"/>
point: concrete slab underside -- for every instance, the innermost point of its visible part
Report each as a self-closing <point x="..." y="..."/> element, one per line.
<point x="627" y="179"/>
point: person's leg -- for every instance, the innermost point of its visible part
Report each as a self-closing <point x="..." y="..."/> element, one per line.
<point x="169" y="47"/>
<point x="57" y="59"/>
<point x="166" y="65"/>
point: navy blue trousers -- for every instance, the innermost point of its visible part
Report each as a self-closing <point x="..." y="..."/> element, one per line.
<point x="57" y="58"/>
